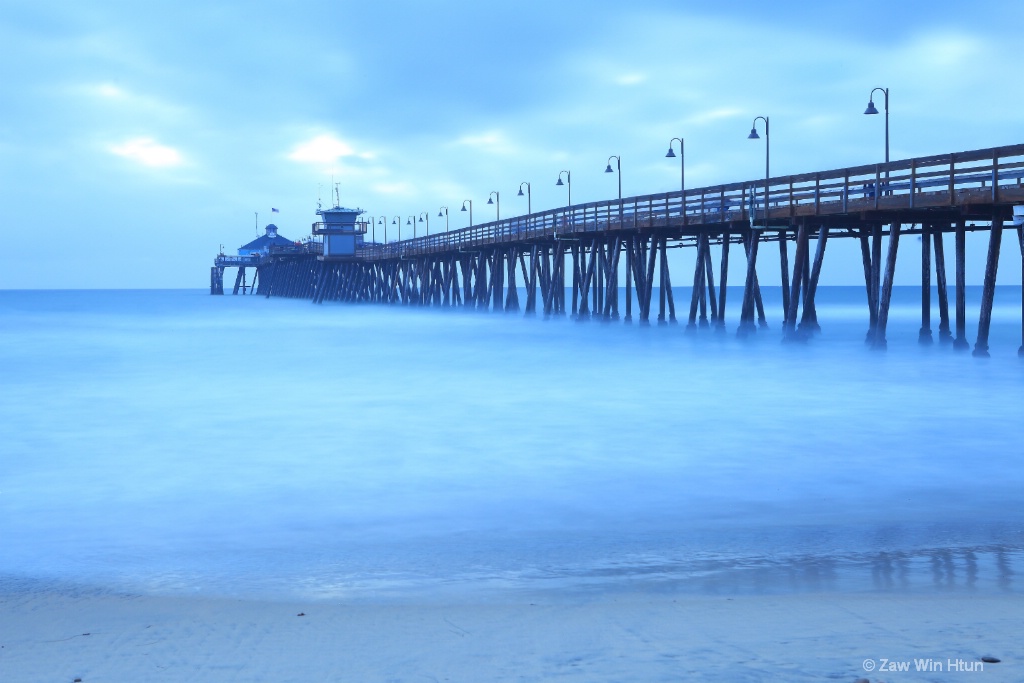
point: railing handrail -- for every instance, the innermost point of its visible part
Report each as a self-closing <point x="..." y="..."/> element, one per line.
<point x="789" y="191"/>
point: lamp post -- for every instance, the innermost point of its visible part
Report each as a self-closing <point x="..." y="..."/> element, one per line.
<point x="443" y="211"/>
<point x="529" y="208"/>
<point x="682" y="171"/>
<point x="497" y="205"/>
<point x="373" y="228"/>
<point x="749" y="296"/>
<point x="470" y="201"/>
<point x="871" y="110"/>
<point x="618" y="170"/>
<point x="395" y="221"/>
<point x="412" y="221"/>
<point x="384" y="221"/>
<point x="767" y="157"/>
<point x="568" y="183"/>
<point x="425" y="215"/>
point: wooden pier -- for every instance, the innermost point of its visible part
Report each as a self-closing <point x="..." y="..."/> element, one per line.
<point x="580" y="250"/>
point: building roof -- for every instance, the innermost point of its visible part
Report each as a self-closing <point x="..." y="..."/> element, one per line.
<point x="270" y="239"/>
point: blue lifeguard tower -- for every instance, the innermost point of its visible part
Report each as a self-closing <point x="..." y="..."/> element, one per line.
<point x="342" y="230"/>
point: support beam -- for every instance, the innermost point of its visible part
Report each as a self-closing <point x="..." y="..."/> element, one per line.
<point x="652" y="254"/>
<point x="809" y="321"/>
<point x="668" y="283"/>
<point x="723" y="283"/>
<point x="789" y="327"/>
<point x="698" y="279"/>
<point x="885" y="296"/>
<point x="1020" y="242"/>
<point x="662" y="282"/>
<point x="747" y="326"/>
<point x="784" y="264"/>
<point x="995" y="237"/>
<point x="710" y="275"/>
<point x="940" y="277"/>
<point x="629" y="279"/>
<point x="960" y="342"/>
<point x="924" y="336"/>
<point x="876" y="265"/>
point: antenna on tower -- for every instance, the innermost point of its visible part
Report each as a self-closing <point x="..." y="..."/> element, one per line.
<point x="319" y="190"/>
<point x="257" y="222"/>
<point x="337" y="195"/>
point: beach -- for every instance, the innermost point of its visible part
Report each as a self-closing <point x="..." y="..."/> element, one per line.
<point x="63" y="636"/>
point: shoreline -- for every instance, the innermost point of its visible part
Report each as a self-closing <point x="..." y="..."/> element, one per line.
<point x="57" y="636"/>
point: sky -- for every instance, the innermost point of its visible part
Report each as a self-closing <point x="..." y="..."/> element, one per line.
<point x="136" y="138"/>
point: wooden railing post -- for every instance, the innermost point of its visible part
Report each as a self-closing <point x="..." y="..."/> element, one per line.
<point x="913" y="181"/>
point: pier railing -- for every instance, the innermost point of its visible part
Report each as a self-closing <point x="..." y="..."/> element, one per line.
<point x="987" y="176"/>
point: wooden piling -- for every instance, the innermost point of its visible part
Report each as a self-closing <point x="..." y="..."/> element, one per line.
<point x="809" y="322"/>
<point x="879" y="341"/>
<point x="876" y="265"/>
<point x="784" y="265"/>
<point x="995" y="237"/>
<point x="698" y="278"/>
<point x="789" y="332"/>
<point x="652" y="254"/>
<point x="629" y="279"/>
<point x="216" y="280"/>
<point x="1020" y="242"/>
<point x="960" y="342"/>
<point x="710" y="276"/>
<point x="723" y="282"/>
<point x="924" y="335"/>
<point x="747" y="326"/>
<point x="662" y="320"/>
<point x="668" y="282"/>
<point x="940" y="278"/>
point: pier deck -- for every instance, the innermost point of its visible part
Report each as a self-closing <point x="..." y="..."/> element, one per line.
<point x="579" y="249"/>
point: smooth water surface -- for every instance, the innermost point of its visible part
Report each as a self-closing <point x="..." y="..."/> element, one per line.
<point x="170" y="441"/>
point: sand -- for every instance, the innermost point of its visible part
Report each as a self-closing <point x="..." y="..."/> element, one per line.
<point x="58" y="635"/>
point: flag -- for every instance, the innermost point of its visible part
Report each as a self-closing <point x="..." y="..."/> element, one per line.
<point x="272" y="210"/>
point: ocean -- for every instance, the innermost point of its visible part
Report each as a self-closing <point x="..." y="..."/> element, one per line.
<point x="173" y="442"/>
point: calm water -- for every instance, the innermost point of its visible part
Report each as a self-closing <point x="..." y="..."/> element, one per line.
<point x="170" y="441"/>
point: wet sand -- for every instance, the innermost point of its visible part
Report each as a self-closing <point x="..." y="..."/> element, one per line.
<point x="63" y="635"/>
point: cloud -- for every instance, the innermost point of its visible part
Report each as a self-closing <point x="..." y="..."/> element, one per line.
<point x="323" y="149"/>
<point x="107" y="90"/>
<point x="147" y="152"/>
<point x="712" y="115"/>
<point x="631" y="79"/>
<point x="131" y="103"/>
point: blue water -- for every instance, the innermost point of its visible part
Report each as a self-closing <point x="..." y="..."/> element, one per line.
<point x="174" y="442"/>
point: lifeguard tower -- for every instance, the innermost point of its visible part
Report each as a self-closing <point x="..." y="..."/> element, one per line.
<point x="343" y="233"/>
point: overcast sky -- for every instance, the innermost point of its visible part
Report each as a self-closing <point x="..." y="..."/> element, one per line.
<point x="137" y="137"/>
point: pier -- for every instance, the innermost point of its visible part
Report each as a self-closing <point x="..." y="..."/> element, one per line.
<point x="578" y="252"/>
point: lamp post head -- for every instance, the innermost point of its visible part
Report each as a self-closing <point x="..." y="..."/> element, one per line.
<point x="490" y="200"/>
<point x="440" y="215"/>
<point x="753" y="134"/>
<point x="559" y="181"/>
<point x="871" y="107"/>
<point x="408" y="221"/>
<point x="421" y="218"/>
<point x="520" y="191"/>
<point x="463" y="207"/>
<point x="608" y="169"/>
<point x="670" y="154"/>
